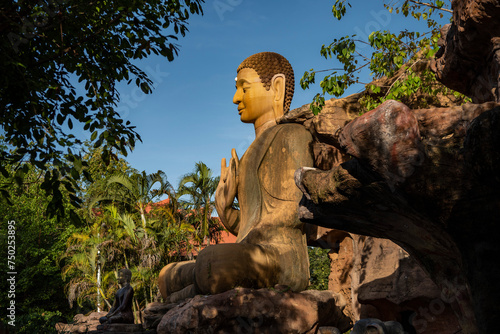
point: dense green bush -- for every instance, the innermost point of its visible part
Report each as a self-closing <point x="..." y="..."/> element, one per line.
<point x="39" y="242"/>
<point x="319" y="267"/>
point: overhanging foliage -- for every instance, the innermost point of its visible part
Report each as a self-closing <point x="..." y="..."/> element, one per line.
<point x="49" y="49"/>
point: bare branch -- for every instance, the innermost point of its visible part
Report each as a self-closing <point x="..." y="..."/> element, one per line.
<point x="341" y="69"/>
<point x="431" y="5"/>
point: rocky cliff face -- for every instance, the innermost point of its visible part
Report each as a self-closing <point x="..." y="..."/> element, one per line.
<point x="427" y="179"/>
<point x="469" y="58"/>
<point x="378" y="279"/>
<point x="414" y="153"/>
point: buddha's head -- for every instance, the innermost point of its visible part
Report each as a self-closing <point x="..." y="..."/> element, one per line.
<point x="264" y="86"/>
<point x="124" y="276"/>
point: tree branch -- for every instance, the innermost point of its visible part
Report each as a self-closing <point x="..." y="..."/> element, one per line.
<point x="431" y="5"/>
<point x="71" y="47"/>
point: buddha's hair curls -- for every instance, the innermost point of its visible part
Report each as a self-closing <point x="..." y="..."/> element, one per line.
<point x="267" y="65"/>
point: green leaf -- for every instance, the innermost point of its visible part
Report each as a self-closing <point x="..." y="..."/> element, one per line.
<point x="4" y="172"/>
<point x="60" y="119"/>
<point x="74" y="174"/>
<point x="78" y="164"/>
<point x="19" y="177"/>
<point x="145" y="88"/>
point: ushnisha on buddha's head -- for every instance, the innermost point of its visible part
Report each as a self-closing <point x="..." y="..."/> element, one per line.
<point x="264" y="88"/>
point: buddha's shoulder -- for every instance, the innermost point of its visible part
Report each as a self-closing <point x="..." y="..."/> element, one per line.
<point x="293" y="130"/>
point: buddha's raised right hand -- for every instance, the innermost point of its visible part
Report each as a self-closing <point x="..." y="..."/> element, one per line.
<point x="226" y="192"/>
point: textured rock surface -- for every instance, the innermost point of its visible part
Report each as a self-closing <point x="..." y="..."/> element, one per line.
<point x="329" y="330"/>
<point x="119" y="328"/>
<point x="387" y="139"/>
<point x="443" y="211"/>
<point x="153" y="313"/>
<point x="469" y="58"/>
<point x="375" y="326"/>
<point x="380" y="280"/>
<point x="81" y="323"/>
<point x="257" y="311"/>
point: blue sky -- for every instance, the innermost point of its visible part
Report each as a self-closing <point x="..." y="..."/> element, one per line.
<point x="190" y="116"/>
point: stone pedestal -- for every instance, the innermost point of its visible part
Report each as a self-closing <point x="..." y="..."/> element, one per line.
<point x="154" y="312"/>
<point x="277" y="310"/>
<point x="119" y="329"/>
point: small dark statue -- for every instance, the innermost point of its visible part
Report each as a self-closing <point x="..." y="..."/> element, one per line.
<point x="121" y="312"/>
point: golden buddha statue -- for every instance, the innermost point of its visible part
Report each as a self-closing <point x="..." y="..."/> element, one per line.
<point x="271" y="246"/>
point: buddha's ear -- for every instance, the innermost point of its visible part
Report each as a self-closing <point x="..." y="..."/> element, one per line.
<point x="278" y="87"/>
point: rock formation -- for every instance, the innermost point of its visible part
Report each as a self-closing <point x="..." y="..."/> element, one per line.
<point x="375" y="326"/>
<point x="426" y="179"/>
<point x="119" y="329"/>
<point x="243" y="310"/>
<point x="153" y="313"/>
<point x="81" y="323"/>
<point x="469" y="58"/>
<point x="90" y="324"/>
<point x="378" y="279"/>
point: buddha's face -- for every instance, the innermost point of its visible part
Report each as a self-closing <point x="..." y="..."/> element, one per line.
<point x="122" y="278"/>
<point x="255" y="103"/>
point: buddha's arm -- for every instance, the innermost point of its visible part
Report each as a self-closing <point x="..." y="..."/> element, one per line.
<point x="127" y="300"/>
<point x="226" y="193"/>
<point x="113" y="310"/>
<point x="231" y="220"/>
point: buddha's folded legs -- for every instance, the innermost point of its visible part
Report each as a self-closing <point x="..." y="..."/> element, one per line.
<point x="222" y="267"/>
<point x="122" y="318"/>
<point x="219" y="268"/>
<point x="178" y="296"/>
<point x="175" y="277"/>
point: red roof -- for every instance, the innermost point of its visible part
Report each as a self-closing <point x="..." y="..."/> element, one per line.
<point x="227" y="238"/>
<point x="149" y="207"/>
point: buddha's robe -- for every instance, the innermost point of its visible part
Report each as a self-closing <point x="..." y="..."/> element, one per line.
<point x="271" y="246"/>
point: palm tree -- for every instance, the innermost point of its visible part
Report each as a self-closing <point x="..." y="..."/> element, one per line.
<point x="139" y="246"/>
<point x="200" y="187"/>
<point x="83" y="261"/>
<point x="93" y="253"/>
<point x="138" y="250"/>
<point x="134" y="191"/>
